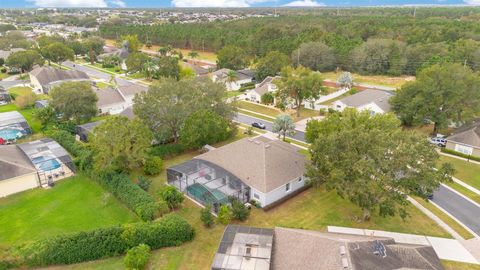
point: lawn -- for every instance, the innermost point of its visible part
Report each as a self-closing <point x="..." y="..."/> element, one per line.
<point x="103" y="85"/>
<point x="260" y="116"/>
<point x="446" y="218"/>
<point x="449" y="265"/>
<point x="29" y="113"/>
<point x="72" y="205"/>
<point x="273" y="112"/>
<point x="467" y="172"/>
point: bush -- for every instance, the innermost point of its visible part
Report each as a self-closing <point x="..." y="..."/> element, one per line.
<point x="172" y="230"/>
<point x="206" y="216"/>
<point x="167" y="150"/>
<point x="171" y="196"/>
<point x="239" y="210"/>
<point x="137" y="257"/>
<point x="4" y="70"/>
<point x="453" y="152"/>
<point x="353" y="91"/>
<point x="224" y="215"/>
<point x="134" y="197"/>
<point x="153" y="165"/>
<point x="162" y="207"/>
<point x="267" y="98"/>
<point x="144" y="183"/>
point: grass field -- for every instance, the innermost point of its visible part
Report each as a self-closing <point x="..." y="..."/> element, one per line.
<point x="273" y="112"/>
<point x="449" y="265"/>
<point x="445" y="218"/>
<point x="72" y="205"/>
<point x="465" y="171"/>
<point x="28" y="113"/>
<point x="380" y="80"/>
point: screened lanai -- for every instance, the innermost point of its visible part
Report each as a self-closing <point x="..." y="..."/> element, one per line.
<point x="207" y="183"/>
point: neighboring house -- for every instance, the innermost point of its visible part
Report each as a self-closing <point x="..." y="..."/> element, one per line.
<point x="245" y="248"/>
<point x="32" y="164"/>
<point x="261" y="169"/>
<point x="121" y="53"/>
<point x="128" y="91"/>
<point x="200" y="70"/>
<point x="83" y="131"/>
<point x="466" y="139"/>
<point x="4" y="96"/>
<point x="13" y="126"/>
<point x="44" y="78"/>
<point x="110" y="101"/>
<point x="374" y="101"/>
<point x="242" y="76"/>
<point x="5" y="54"/>
<point x="266" y="86"/>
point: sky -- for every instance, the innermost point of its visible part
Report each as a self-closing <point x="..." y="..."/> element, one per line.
<point x="222" y="3"/>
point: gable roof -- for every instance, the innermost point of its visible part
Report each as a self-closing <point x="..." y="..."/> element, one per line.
<point x="14" y="163"/>
<point x="130" y="89"/>
<point x="378" y="97"/>
<point x="262" y="87"/>
<point x="260" y="162"/>
<point x="243" y="74"/>
<point x="467" y="134"/>
<point x="108" y="96"/>
<point x="47" y="75"/>
<point x="6" y="54"/>
<point x="313" y="250"/>
<point x="128" y="112"/>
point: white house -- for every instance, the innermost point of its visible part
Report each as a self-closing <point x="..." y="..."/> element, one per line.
<point x="374" y="101"/>
<point x="266" y="86"/>
<point x="241" y="77"/>
<point x="261" y="169"/>
<point x="466" y="139"/>
<point x="44" y="78"/>
<point x="116" y="100"/>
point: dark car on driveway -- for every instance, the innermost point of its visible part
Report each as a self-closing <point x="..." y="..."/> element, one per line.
<point x="258" y="125"/>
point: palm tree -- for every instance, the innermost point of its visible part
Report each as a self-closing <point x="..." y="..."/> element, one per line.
<point x="232" y="76"/>
<point x="149" y="68"/>
<point x="193" y="55"/>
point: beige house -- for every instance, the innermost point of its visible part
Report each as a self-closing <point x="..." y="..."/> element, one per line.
<point x="266" y="86"/>
<point x="466" y="139"/>
<point x="17" y="173"/>
<point x="374" y="101"/>
<point x="241" y="77"/>
<point x="44" y="78"/>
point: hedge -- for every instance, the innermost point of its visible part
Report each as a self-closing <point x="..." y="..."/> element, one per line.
<point x="133" y="196"/>
<point x="172" y="230"/>
<point x="167" y="150"/>
<point x="453" y="152"/>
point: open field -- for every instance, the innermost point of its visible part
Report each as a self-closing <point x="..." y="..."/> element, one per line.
<point x="72" y="205"/>
<point x="380" y="80"/>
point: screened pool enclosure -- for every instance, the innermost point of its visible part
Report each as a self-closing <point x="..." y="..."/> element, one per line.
<point x="207" y="183"/>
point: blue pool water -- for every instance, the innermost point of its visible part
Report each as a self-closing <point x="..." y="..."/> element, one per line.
<point x="10" y="134"/>
<point x="49" y="165"/>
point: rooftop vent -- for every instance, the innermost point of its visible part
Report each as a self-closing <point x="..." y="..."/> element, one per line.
<point x="344" y="263"/>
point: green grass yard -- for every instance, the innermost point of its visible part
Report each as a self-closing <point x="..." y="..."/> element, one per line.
<point x="74" y="204"/>
<point x="28" y="113"/>
<point x="467" y="172"/>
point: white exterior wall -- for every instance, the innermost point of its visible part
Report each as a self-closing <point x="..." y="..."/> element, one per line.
<point x="371" y="107"/>
<point x="18" y="184"/>
<point x="253" y="96"/>
<point x="316" y="104"/>
<point x="234" y="86"/>
<point x="277" y="194"/>
<point x="338" y="106"/>
<point x="37" y="87"/>
<point x="112" y="108"/>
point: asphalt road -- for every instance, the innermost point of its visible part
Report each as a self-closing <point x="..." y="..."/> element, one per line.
<point x="248" y="120"/>
<point x="8" y="84"/>
<point x="462" y="209"/>
<point x="94" y="72"/>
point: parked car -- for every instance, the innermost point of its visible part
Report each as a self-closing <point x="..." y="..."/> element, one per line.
<point x="259" y="125"/>
<point x="438" y="141"/>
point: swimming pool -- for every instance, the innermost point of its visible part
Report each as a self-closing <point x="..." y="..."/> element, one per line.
<point x="206" y="196"/>
<point x="46" y="165"/>
<point x="10" y="134"/>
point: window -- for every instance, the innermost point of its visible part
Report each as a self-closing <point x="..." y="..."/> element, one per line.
<point x="256" y="196"/>
<point x="287" y="187"/>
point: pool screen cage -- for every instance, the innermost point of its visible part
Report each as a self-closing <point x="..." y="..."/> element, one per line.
<point x="207" y="183"/>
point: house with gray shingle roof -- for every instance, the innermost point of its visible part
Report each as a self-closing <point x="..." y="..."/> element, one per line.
<point x="266" y="86"/>
<point x="374" y="101"/>
<point x="261" y="169"/>
<point x="250" y="248"/>
<point x="466" y="139"/>
<point x="241" y="77"/>
<point x="44" y="78"/>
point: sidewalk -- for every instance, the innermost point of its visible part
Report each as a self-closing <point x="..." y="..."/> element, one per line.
<point x="457" y="157"/>
<point x="446" y="249"/>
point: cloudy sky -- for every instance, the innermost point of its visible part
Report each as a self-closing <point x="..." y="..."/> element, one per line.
<point x="222" y="3"/>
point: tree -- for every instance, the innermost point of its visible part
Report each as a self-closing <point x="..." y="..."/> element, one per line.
<point x="267" y="98"/>
<point x="25" y="101"/>
<point x="299" y="84"/>
<point x="284" y="125"/>
<point x="77" y="47"/>
<point x="120" y="144"/>
<point x="167" y="66"/>
<point x="442" y="93"/>
<point x="206" y="216"/>
<point x="380" y="56"/>
<point x="165" y="51"/>
<point x="46" y="115"/>
<point x="58" y="52"/>
<point x="314" y="55"/>
<point x="135" y="61"/>
<point x="171" y="196"/>
<point x="149" y="69"/>
<point x="232" y="57"/>
<point x="232" y="76"/>
<point x="205" y="127"/>
<point x="224" y="215"/>
<point x="168" y="103"/>
<point x="239" y="210"/>
<point x="345" y="80"/>
<point x="74" y="100"/>
<point x="271" y="64"/>
<point x="133" y="43"/>
<point x="137" y="257"/>
<point x="152" y="165"/>
<point x="94" y="47"/>
<point x="193" y="55"/>
<point x="186" y="73"/>
<point x="372" y="161"/>
<point x="24" y="60"/>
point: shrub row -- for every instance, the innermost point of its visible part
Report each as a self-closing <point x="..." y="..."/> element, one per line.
<point x="133" y="196"/>
<point x="453" y="152"/>
<point x="167" y="150"/>
<point x="172" y="230"/>
<point x="83" y="157"/>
